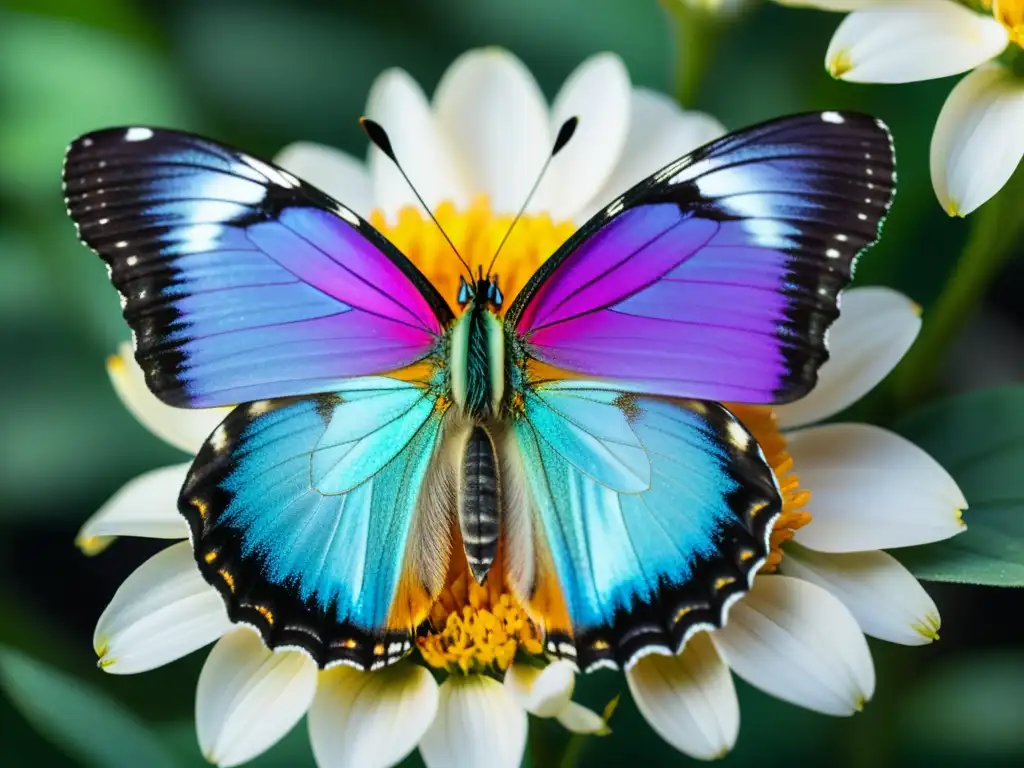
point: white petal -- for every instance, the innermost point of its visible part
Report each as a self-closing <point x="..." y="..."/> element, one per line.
<point x="796" y="642"/>
<point x="163" y="611"/>
<point x="541" y="692"/>
<point x="903" y="42"/>
<point x="249" y="697"/>
<point x="872" y="489"/>
<point x="884" y="597"/>
<point x="578" y="719"/>
<point x="979" y="138"/>
<point x="397" y="102"/>
<point x="876" y="327"/>
<point x="492" y="111"/>
<point x="337" y="173"/>
<point x="478" y="723"/>
<point x="145" y="506"/>
<point x="659" y="133"/>
<point x="370" y="719"/>
<point x="184" y="428"/>
<point x="598" y="93"/>
<point x="688" y="699"/>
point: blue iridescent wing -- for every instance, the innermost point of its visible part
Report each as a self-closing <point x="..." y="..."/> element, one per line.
<point x="239" y="281"/>
<point x="718" y="277"/>
<point x="650" y="516"/>
<point x="316" y="518"/>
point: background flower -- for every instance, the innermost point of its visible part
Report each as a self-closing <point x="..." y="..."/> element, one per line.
<point x="979" y="137"/>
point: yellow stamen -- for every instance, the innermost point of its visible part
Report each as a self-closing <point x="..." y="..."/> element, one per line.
<point x="476" y="233"/>
<point x="477" y="628"/>
<point x="763" y="425"/>
<point x="1010" y="13"/>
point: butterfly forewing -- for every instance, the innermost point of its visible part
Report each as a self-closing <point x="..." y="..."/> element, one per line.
<point x="718" y="277"/>
<point x="239" y="281"/>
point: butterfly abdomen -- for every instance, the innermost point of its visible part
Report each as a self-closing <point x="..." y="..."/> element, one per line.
<point x="479" y="502"/>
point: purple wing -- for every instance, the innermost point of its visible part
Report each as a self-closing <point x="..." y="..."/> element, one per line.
<point x="717" y="277"/>
<point x="239" y="281"/>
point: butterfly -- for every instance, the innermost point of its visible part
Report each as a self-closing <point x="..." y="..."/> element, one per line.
<point x="384" y="429"/>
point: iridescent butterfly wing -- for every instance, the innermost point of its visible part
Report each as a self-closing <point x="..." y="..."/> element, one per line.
<point x="309" y="512"/>
<point x="714" y="280"/>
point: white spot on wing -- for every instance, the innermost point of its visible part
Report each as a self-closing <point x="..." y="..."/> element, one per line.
<point x="285" y="180"/>
<point x="738" y="436"/>
<point x="832" y="253"/>
<point x="346" y="214"/>
<point x="131" y="261"/>
<point x="219" y="439"/>
<point x="833" y="117"/>
<point x="138" y="134"/>
<point x="259" y="407"/>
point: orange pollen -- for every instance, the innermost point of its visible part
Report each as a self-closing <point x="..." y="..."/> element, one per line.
<point x="762" y="423"/>
<point x="476" y="233"/>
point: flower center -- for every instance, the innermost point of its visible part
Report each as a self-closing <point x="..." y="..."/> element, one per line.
<point x="1010" y="13"/>
<point x="477" y="628"/>
<point x="476" y="234"/>
<point x="763" y="425"/>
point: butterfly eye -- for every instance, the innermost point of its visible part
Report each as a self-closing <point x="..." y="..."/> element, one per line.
<point x="494" y="294"/>
<point x="465" y="293"/>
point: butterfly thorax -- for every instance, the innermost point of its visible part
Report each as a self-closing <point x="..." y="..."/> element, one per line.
<point x="477" y="353"/>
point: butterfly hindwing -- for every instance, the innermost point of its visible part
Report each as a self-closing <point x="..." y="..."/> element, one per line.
<point x="316" y="516"/>
<point x="717" y="277"/>
<point x="239" y="281"/>
<point x="640" y="569"/>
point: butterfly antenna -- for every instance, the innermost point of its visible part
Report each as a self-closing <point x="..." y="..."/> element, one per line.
<point x="564" y="134"/>
<point x="380" y="139"/>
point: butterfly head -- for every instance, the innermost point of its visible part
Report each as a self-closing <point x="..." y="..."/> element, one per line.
<point x="483" y="290"/>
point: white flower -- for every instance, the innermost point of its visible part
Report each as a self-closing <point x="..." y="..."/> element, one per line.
<point x="979" y="137"/>
<point x="799" y="633"/>
<point x="488" y="131"/>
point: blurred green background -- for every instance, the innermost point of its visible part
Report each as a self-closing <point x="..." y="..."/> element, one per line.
<point x="262" y="74"/>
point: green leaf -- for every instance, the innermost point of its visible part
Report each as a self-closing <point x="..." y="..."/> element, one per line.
<point x="979" y="438"/>
<point x="77" y="717"/>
